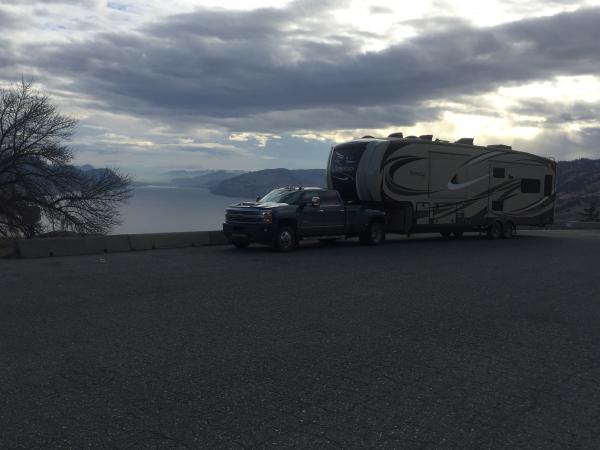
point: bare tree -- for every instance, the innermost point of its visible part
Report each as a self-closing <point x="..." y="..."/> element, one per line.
<point x="39" y="188"/>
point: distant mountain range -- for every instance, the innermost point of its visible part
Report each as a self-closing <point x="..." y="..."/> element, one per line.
<point x="252" y="184"/>
<point x="208" y="179"/>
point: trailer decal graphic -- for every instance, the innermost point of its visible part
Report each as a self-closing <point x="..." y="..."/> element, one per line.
<point x="391" y="166"/>
<point x="454" y="186"/>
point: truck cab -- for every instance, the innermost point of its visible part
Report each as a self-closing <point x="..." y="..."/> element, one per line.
<point x="287" y="215"/>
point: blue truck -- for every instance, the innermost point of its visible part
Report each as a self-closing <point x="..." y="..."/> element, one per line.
<point x="287" y="215"/>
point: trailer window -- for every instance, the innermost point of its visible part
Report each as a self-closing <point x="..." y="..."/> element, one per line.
<point x="497" y="205"/>
<point x="499" y="172"/>
<point x="530" y="186"/>
<point x="548" y="185"/>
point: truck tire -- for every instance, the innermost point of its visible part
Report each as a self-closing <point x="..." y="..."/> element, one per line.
<point x="445" y="234"/>
<point x="285" y="239"/>
<point x="495" y="231"/>
<point x="374" y="235"/>
<point x="241" y="244"/>
<point x="507" y="230"/>
<point x="457" y="234"/>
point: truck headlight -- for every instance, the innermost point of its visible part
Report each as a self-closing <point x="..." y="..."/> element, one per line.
<point x="267" y="217"/>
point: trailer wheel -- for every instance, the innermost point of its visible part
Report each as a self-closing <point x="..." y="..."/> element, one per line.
<point x="285" y="239"/>
<point x="495" y="231"/>
<point x="445" y="234"/>
<point x="374" y="235"/>
<point x="508" y="230"/>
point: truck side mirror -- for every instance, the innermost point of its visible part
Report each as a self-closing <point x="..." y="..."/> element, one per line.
<point x="315" y="202"/>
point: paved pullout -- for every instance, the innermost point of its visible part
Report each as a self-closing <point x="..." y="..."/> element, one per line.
<point x="420" y="342"/>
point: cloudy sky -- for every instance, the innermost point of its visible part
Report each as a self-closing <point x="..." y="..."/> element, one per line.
<point x="250" y="84"/>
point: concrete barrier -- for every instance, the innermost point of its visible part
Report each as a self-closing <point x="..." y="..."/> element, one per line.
<point x="168" y="240"/>
<point x="8" y="247"/>
<point x="581" y="225"/>
<point x="217" y="238"/>
<point x="565" y="226"/>
<point x="67" y="246"/>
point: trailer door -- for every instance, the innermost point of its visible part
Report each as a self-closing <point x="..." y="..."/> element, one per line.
<point x="514" y="187"/>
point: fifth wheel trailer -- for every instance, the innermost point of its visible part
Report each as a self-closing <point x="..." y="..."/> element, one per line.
<point x="425" y="185"/>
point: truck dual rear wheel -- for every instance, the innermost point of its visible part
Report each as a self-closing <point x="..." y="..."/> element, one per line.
<point x="374" y="235"/>
<point x="495" y="231"/>
<point x="285" y="239"/>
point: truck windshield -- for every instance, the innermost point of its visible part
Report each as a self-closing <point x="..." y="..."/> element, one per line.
<point x="282" y="196"/>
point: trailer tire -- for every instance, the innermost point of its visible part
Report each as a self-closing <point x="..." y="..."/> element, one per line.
<point x="508" y="230"/>
<point x="285" y="239"/>
<point x="495" y="231"/>
<point x="374" y="235"/>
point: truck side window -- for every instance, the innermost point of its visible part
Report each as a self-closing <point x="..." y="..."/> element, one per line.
<point x="530" y="186"/>
<point x="547" y="185"/>
<point x="329" y="198"/>
<point x="308" y="195"/>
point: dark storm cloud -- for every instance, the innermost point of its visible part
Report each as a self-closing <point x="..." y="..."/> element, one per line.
<point x="380" y="10"/>
<point x="55" y="2"/>
<point x="7" y="20"/>
<point x="555" y="113"/>
<point x="232" y="66"/>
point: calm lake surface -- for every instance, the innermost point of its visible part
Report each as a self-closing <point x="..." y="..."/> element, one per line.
<point x="158" y="209"/>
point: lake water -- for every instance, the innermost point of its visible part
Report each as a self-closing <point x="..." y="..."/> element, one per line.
<point x="158" y="209"/>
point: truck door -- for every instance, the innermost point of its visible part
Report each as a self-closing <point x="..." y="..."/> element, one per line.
<point x="312" y="219"/>
<point x="334" y="211"/>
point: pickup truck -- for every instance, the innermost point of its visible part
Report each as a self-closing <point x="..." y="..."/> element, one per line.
<point x="286" y="215"/>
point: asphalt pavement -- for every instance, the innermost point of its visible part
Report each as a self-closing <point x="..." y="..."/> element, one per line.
<point x="418" y="343"/>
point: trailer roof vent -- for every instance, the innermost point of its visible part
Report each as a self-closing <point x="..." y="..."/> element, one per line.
<point x="426" y="137"/>
<point x="367" y="137"/>
<point x="396" y="135"/>
<point x="465" y="141"/>
<point x="502" y="146"/>
<point x="441" y="140"/>
<point x="412" y="137"/>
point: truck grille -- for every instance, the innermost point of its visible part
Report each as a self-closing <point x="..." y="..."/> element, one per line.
<point x="243" y="217"/>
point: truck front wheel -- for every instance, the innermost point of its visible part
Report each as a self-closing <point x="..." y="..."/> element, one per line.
<point x="374" y="235"/>
<point x="241" y="244"/>
<point x="285" y="239"/>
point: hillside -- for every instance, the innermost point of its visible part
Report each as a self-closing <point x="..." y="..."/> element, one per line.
<point x="252" y="184"/>
<point x="208" y="179"/>
<point x="577" y="181"/>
